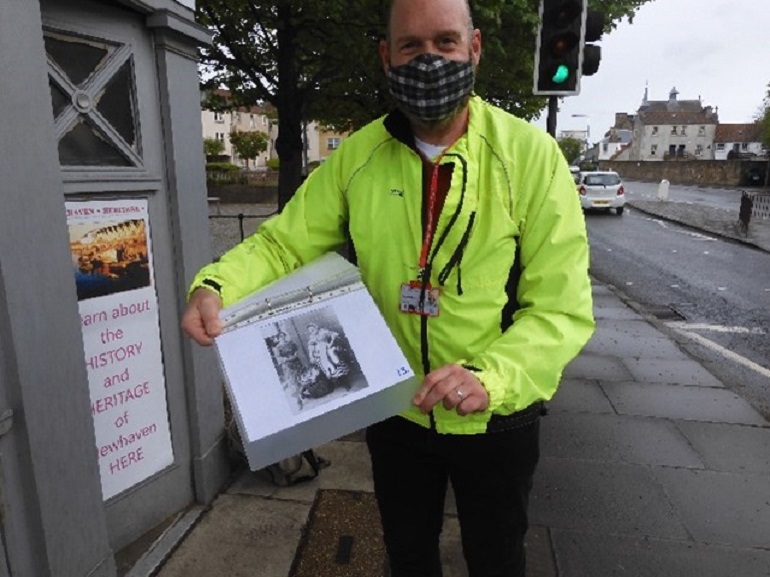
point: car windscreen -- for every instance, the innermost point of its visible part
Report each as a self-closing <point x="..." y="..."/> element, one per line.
<point x="602" y="179"/>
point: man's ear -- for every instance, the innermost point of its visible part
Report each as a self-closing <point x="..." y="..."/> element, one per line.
<point x="476" y="46"/>
<point x="384" y="49"/>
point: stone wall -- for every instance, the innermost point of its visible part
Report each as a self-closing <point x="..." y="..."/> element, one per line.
<point x="725" y="173"/>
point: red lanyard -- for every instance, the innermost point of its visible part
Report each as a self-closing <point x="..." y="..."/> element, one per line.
<point x="432" y="195"/>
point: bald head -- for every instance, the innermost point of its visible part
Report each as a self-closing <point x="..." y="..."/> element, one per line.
<point x="393" y="7"/>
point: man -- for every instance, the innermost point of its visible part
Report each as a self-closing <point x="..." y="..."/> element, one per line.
<point x="452" y="198"/>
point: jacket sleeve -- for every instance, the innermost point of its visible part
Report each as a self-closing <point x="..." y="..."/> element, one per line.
<point x="555" y="318"/>
<point x="312" y="223"/>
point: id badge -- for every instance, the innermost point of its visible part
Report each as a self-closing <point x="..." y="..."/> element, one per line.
<point x="415" y="301"/>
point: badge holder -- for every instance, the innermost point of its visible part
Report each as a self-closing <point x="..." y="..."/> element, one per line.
<point x="419" y="299"/>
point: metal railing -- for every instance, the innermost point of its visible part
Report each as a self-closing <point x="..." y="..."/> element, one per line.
<point x="228" y="224"/>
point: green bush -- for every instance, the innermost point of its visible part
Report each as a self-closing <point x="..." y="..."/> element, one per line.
<point x="221" y="167"/>
<point x="273" y="163"/>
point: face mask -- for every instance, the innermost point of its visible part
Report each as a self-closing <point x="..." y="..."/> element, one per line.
<point x="430" y="87"/>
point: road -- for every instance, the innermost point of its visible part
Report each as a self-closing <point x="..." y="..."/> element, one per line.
<point x="728" y="198"/>
<point x="714" y="291"/>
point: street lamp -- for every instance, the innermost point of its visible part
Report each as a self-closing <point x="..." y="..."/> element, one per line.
<point x="588" y="127"/>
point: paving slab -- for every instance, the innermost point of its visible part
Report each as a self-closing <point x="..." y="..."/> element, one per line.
<point x="607" y="341"/>
<point x="730" y="448"/>
<point x="637" y="328"/>
<point x="674" y="372"/>
<point x="241" y="536"/>
<point x="614" y="438"/>
<point x="451" y="547"/>
<point x="681" y="402"/>
<point x="600" y="367"/>
<point x="577" y="395"/>
<point x="610" y="498"/>
<point x="585" y="553"/>
<point x="540" y="558"/>
<point x="720" y="508"/>
<point x="606" y="308"/>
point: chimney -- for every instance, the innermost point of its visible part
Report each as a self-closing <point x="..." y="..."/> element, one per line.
<point x="672" y="95"/>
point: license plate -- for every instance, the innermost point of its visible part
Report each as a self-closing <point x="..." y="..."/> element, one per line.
<point x="601" y="202"/>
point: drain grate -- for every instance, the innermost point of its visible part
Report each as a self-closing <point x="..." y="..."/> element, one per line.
<point x="343" y="537"/>
<point x="665" y="313"/>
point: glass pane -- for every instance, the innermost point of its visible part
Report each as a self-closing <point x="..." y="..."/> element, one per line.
<point x="85" y="146"/>
<point x="76" y="58"/>
<point x="59" y="98"/>
<point x="116" y="103"/>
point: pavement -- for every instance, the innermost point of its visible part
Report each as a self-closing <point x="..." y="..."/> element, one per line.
<point x="650" y="467"/>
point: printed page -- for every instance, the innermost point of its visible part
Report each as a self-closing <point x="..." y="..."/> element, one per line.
<point x="313" y="372"/>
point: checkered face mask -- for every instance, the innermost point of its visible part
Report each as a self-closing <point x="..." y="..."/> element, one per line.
<point x="430" y="87"/>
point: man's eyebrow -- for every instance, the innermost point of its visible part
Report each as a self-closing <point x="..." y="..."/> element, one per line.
<point x="455" y="34"/>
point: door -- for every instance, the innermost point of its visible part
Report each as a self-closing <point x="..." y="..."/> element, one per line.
<point x="107" y="114"/>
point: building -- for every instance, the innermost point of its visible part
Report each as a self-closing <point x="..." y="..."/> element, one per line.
<point x="738" y="141"/>
<point x="671" y="129"/>
<point x="319" y="141"/>
<point x="614" y="142"/>
<point x="111" y="422"/>
<point x="581" y="136"/>
<point x="219" y="125"/>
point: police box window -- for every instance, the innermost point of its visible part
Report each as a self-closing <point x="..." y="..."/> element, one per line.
<point x="93" y="93"/>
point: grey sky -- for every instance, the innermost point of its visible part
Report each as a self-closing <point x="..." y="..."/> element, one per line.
<point x="718" y="50"/>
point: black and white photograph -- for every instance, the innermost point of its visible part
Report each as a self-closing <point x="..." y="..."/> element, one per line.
<point x="313" y="358"/>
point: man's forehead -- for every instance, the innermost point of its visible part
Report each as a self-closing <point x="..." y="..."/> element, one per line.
<point x="402" y="33"/>
<point x="448" y="15"/>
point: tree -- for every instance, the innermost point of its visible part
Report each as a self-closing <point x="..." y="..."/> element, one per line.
<point x="571" y="148"/>
<point x="763" y="118"/>
<point x="213" y="146"/>
<point x="318" y="61"/>
<point x="248" y="145"/>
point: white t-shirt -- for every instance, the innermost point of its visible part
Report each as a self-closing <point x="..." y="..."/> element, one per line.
<point x="430" y="151"/>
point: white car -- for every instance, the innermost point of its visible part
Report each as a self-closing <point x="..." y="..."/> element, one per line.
<point x="601" y="189"/>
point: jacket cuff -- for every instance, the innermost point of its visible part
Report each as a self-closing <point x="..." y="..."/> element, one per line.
<point x="206" y="283"/>
<point x="494" y="388"/>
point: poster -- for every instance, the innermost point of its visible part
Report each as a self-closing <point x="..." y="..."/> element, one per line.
<point x="113" y="272"/>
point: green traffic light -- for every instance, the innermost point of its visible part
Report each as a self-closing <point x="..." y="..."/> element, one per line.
<point x="562" y="73"/>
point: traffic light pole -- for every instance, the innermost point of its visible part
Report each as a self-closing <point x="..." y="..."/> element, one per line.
<point x="553" y="108"/>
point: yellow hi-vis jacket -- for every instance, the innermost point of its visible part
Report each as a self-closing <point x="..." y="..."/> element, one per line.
<point x="511" y="193"/>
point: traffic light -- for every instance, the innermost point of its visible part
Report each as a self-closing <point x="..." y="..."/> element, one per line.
<point x="558" y="54"/>
<point x="594" y="28"/>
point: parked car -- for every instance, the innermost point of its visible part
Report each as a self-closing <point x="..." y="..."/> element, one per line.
<point x="601" y="189"/>
<point x="755" y="176"/>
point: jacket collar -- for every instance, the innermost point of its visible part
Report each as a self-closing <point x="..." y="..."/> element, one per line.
<point x="397" y="124"/>
<point x="399" y="127"/>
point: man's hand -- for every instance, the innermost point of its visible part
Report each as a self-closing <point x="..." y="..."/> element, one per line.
<point x="455" y="387"/>
<point x="201" y="319"/>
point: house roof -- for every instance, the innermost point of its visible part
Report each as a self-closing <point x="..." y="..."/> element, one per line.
<point x="687" y="112"/>
<point x="675" y="112"/>
<point x="738" y="133"/>
<point x="619" y="135"/>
